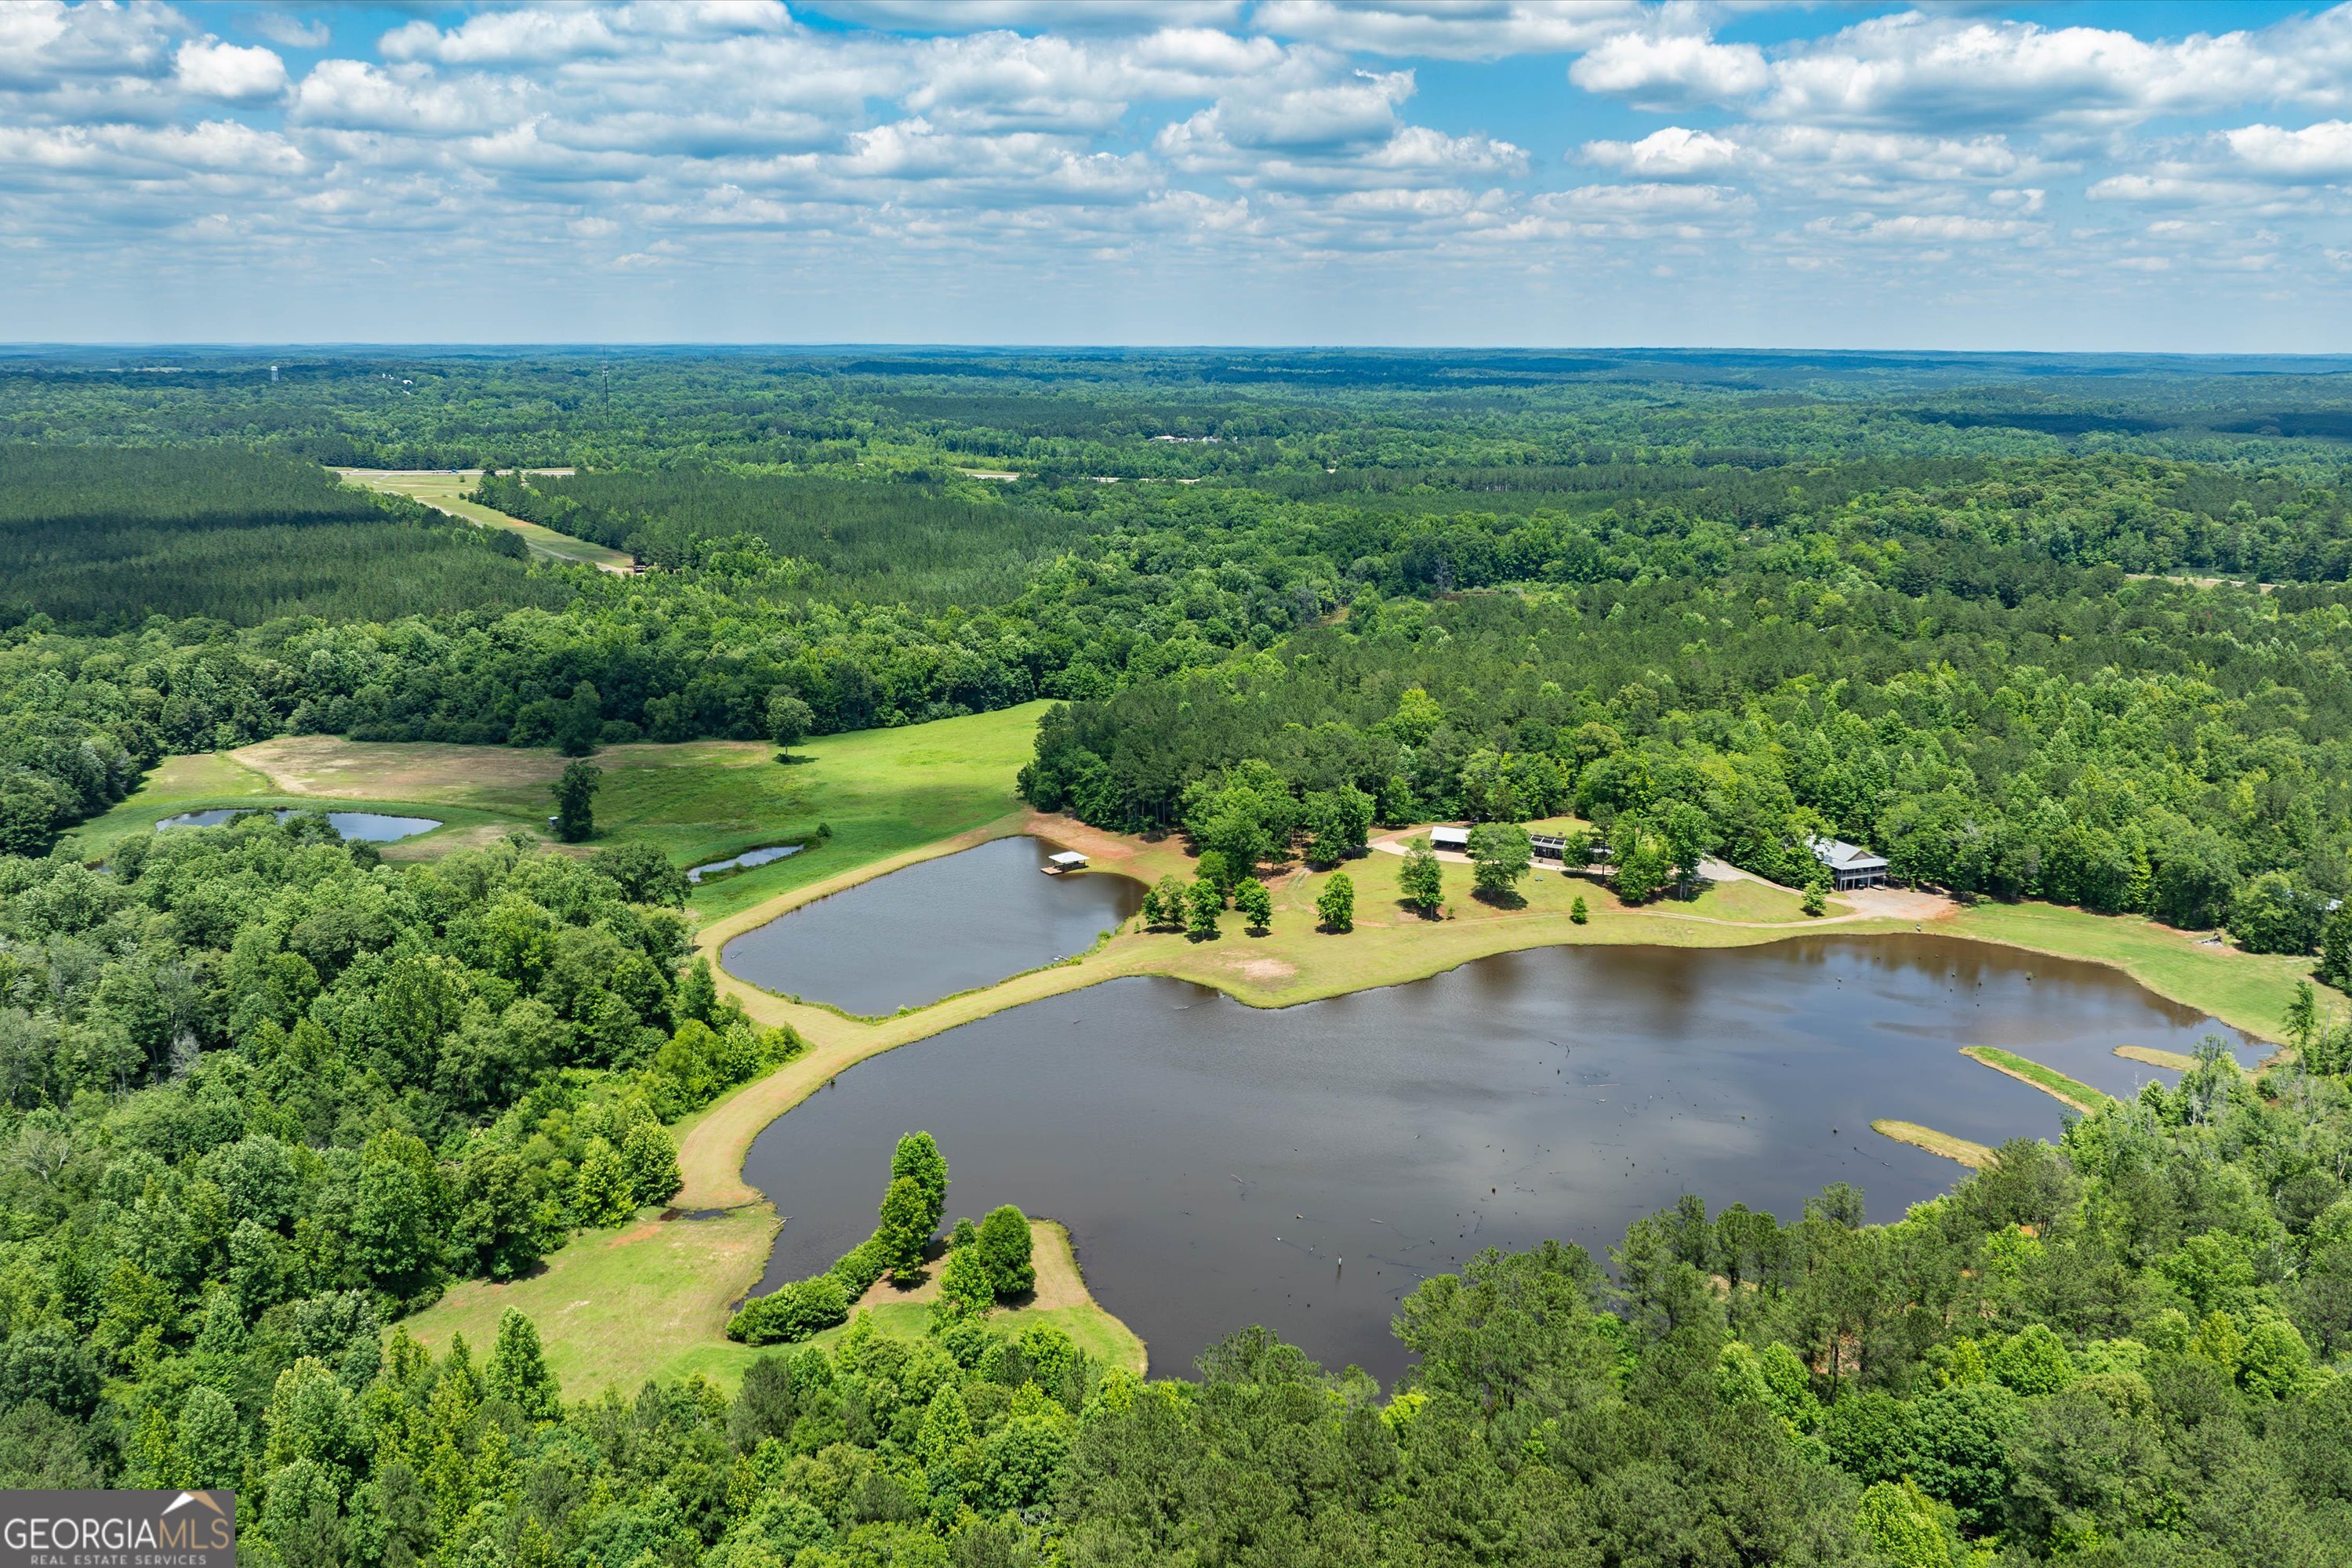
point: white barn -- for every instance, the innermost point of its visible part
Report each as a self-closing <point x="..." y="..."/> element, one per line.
<point x="1455" y="838"/>
<point x="1851" y="866"/>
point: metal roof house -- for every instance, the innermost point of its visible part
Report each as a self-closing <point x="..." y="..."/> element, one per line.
<point x="1851" y="866"/>
<point x="1548" y="846"/>
<point x="1067" y="860"/>
<point x="1455" y="838"/>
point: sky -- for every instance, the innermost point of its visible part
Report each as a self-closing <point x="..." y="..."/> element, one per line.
<point x="2171" y="176"/>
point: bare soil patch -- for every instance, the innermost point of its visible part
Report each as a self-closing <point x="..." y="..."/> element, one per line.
<point x="1072" y="834"/>
<point x="421" y="770"/>
<point x="1900" y="904"/>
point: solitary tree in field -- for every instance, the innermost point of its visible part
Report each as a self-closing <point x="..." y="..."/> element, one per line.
<point x="1163" y="904"/>
<point x="1424" y="879"/>
<point x="1577" y="913"/>
<point x="1337" y="903"/>
<point x="789" y="718"/>
<point x="575" y="794"/>
<point x="1255" y="904"/>
<point x="1203" y="905"/>
<point x="1503" y="855"/>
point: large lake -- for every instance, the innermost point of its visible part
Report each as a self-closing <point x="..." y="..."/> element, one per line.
<point x="933" y="929"/>
<point x="1215" y="1163"/>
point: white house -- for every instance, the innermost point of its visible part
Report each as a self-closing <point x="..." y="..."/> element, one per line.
<point x="1453" y="839"/>
<point x="1851" y="866"/>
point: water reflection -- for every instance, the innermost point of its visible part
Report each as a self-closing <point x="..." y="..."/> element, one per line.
<point x="745" y="861"/>
<point x="1215" y="1162"/>
<point x="357" y="827"/>
<point x="933" y="929"/>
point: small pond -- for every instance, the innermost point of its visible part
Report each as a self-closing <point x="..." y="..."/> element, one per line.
<point x="743" y="862"/>
<point x="358" y="827"/>
<point x="1215" y="1163"/>
<point x="933" y="929"/>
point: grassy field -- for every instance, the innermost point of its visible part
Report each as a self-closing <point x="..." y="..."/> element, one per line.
<point x="218" y="779"/>
<point x="2049" y="1080"/>
<point x="881" y="792"/>
<point x="616" y="1307"/>
<point x="651" y="1300"/>
<point x="444" y="490"/>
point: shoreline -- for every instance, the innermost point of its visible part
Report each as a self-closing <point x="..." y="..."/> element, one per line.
<point x="714" y="1142"/>
<point x="1292" y="966"/>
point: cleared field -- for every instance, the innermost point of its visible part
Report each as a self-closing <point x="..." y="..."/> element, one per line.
<point x="220" y="779"/>
<point x="616" y="1307"/>
<point x="445" y="490"/>
<point x="652" y="1299"/>
<point x="882" y="794"/>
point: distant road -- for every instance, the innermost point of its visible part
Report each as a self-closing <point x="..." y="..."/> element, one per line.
<point x="444" y="489"/>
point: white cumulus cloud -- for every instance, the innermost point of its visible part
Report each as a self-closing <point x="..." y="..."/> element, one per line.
<point x="232" y="73"/>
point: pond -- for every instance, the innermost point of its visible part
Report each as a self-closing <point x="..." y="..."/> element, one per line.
<point x="1215" y="1163"/>
<point x="358" y="827"/>
<point x="745" y="861"/>
<point x="933" y="929"/>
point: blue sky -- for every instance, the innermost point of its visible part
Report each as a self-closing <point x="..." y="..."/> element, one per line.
<point x="2094" y="176"/>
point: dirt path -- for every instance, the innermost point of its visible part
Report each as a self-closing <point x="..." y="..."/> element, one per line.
<point x="441" y="489"/>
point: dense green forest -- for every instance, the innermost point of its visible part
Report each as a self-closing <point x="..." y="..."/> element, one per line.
<point x="1097" y="413"/>
<point x="265" y="1094"/>
<point x="103" y="538"/>
<point x="2119" y="745"/>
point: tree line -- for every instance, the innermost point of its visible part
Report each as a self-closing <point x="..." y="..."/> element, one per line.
<point x="2123" y="746"/>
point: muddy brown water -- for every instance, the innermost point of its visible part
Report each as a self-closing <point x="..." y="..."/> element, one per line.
<point x="933" y="929"/>
<point x="1216" y="1164"/>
